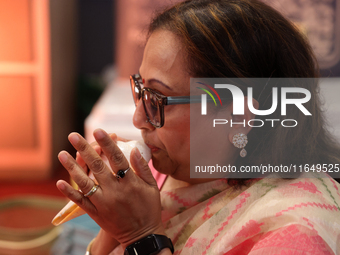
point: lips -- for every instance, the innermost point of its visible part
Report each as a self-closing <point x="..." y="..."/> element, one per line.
<point x="152" y="147"/>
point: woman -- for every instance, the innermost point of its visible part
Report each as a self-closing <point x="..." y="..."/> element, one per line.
<point x="213" y="38"/>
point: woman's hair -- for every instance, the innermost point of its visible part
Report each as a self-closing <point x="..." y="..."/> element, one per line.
<point x="248" y="39"/>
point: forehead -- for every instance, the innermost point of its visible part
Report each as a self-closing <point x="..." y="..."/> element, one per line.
<point x="164" y="60"/>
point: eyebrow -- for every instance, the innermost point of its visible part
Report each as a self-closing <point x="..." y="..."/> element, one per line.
<point x="158" y="81"/>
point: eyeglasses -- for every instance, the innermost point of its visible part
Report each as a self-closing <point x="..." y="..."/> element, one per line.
<point x="153" y="101"/>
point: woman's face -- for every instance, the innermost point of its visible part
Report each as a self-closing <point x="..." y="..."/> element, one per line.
<point x="164" y="69"/>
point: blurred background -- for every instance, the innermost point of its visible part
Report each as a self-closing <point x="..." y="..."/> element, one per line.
<point x="64" y="67"/>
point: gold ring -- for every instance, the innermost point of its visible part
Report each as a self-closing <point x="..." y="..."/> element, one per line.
<point x="92" y="191"/>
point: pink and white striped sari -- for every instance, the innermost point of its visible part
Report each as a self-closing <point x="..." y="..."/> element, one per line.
<point x="269" y="216"/>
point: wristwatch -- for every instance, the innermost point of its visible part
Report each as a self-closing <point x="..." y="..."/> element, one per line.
<point x="149" y="245"/>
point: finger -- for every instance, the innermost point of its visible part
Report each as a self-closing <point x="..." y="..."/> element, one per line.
<point x="81" y="163"/>
<point x="141" y="167"/>
<point x="100" y="170"/>
<point x="80" y="160"/>
<point x="115" y="138"/>
<point x="98" y="149"/>
<point x="84" y="183"/>
<point x="115" y="156"/>
<point x="76" y="196"/>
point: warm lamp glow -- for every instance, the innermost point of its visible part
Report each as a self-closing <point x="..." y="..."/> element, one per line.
<point x="25" y="135"/>
<point x="15" y="30"/>
<point x="17" y="113"/>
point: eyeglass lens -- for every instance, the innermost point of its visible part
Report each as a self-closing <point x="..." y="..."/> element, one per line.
<point x="150" y="102"/>
<point x="152" y="107"/>
<point x="136" y="90"/>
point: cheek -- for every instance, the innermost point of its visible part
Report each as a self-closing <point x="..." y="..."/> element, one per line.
<point x="176" y="114"/>
<point x="177" y="145"/>
<point x="210" y="145"/>
<point x="176" y="132"/>
<point x="175" y="138"/>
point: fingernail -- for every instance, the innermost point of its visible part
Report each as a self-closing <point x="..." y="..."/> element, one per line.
<point x="61" y="186"/>
<point x="99" y="134"/>
<point x="63" y="157"/>
<point x="73" y="138"/>
<point x="138" y="155"/>
<point x="98" y="149"/>
<point x="114" y="137"/>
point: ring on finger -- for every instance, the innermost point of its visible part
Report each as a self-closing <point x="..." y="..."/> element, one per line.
<point x="121" y="173"/>
<point x="92" y="191"/>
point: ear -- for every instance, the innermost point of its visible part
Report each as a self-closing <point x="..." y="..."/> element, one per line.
<point x="240" y="122"/>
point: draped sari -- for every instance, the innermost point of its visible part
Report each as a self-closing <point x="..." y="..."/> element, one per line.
<point x="267" y="216"/>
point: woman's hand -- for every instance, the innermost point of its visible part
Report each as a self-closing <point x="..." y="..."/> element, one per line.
<point x="127" y="208"/>
<point x="97" y="148"/>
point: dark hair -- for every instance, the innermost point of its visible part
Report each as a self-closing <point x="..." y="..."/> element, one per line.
<point x="247" y="38"/>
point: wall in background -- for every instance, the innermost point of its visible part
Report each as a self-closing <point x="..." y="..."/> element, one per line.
<point x="25" y="110"/>
<point x="37" y="85"/>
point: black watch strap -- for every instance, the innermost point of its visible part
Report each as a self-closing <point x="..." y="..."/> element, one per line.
<point x="149" y="245"/>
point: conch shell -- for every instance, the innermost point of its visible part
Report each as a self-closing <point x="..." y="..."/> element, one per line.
<point x="71" y="210"/>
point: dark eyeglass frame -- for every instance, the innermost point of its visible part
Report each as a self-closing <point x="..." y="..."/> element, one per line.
<point x="137" y="81"/>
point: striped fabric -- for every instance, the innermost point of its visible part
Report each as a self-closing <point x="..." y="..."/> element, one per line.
<point x="269" y="216"/>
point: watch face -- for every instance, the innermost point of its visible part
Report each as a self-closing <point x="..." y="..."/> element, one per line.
<point x="149" y="245"/>
<point x="146" y="246"/>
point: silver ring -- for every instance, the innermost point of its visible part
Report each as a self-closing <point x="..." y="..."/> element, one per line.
<point x="121" y="173"/>
<point x="92" y="191"/>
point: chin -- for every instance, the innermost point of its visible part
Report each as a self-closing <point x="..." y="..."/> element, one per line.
<point x="161" y="166"/>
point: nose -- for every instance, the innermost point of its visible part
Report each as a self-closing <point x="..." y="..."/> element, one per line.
<point x="140" y="120"/>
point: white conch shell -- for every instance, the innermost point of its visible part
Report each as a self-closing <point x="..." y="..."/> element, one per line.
<point x="71" y="210"/>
